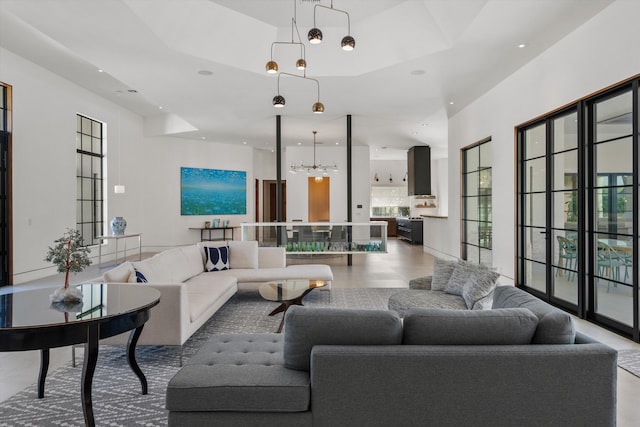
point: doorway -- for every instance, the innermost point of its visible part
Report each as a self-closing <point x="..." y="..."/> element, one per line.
<point x="270" y="206"/>
<point x="319" y="199"/>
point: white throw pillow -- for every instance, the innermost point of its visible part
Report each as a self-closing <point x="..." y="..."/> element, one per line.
<point x="243" y="254"/>
<point x="119" y="274"/>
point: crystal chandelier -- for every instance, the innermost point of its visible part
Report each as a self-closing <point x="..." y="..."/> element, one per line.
<point x="316" y="169"/>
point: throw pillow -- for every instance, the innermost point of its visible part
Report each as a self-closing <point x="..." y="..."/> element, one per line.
<point x="243" y="254"/>
<point x="217" y="259"/>
<point x="429" y="326"/>
<point x="460" y="276"/>
<point x="442" y="271"/>
<point x="305" y="327"/>
<point x="119" y="274"/>
<point x="479" y="285"/>
<point x="140" y="278"/>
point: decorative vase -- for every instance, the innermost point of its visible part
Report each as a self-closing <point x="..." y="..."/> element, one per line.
<point x="118" y="225"/>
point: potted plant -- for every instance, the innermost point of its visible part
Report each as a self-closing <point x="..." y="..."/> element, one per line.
<point x="70" y="256"/>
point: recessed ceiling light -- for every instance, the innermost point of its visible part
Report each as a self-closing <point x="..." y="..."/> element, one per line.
<point x="205" y="72"/>
<point x="522" y="45"/>
<point x="450" y="102"/>
<point x="160" y="107"/>
<point x="244" y="142"/>
<point x="100" y="70"/>
<point x="204" y="137"/>
<point x="299" y="143"/>
<point x="337" y="143"/>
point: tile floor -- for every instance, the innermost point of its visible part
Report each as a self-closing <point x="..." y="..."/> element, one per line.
<point x="394" y="269"/>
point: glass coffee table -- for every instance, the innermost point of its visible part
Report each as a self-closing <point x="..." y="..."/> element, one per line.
<point x="288" y="292"/>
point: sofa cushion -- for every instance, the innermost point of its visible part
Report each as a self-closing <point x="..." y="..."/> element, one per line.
<point x="243" y="254"/>
<point x="216" y="259"/>
<point x="425" y="326"/>
<point x="554" y="326"/>
<point x="119" y="274"/>
<point x="460" y="276"/>
<point x="239" y="372"/>
<point x="479" y="285"/>
<point x="305" y="327"/>
<point x="272" y="257"/>
<point x="194" y="265"/>
<point x="205" y="289"/>
<point x="442" y="270"/>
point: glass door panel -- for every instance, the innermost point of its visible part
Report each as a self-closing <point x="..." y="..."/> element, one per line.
<point x="613" y="157"/>
<point x="565" y="213"/>
<point x="534" y="185"/>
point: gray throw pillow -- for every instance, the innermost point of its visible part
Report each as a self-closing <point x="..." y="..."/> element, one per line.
<point x="428" y="326"/>
<point x="554" y="325"/>
<point x="480" y="284"/>
<point x="305" y="327"/>
<point x="442" y="270"/>
<point x="460" y="276"/>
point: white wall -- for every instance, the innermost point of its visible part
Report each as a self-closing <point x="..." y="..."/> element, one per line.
<point x="594" y="56"/>
<point x="44" y="168"/>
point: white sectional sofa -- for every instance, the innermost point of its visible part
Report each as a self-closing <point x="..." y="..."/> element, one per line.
<point x="191" y="295"/>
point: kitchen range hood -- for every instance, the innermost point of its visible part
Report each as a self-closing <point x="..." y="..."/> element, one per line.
<point x="419" y="170"/>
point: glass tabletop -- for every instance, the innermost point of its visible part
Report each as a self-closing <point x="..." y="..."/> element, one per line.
<point x="32" y="308"/>
<point x="285" y="290"/>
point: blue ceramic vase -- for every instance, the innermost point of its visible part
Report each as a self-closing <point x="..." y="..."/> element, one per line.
<point x="118" y="225"/>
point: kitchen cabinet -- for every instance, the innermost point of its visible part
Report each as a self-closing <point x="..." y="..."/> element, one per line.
<point x="419" y="171"/>
<point x="410" y="229"/>
<point x="391" y="225"/>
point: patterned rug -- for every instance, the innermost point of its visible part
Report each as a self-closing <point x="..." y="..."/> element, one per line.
<point x="629" y="360"/>
<point x="116" y="390"/>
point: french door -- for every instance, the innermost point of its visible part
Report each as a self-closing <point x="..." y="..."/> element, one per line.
<point x="5" y="244"/>
<point x="577" y="208"/>
<point x="5" y="187"/>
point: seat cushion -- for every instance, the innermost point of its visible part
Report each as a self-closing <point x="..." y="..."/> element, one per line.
<point x="554" y="326"/>
<point x="239" y="372"/>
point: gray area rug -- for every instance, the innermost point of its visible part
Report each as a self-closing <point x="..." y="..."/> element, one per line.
<point x="116" y="390"/>
<point x="629" y="360"/>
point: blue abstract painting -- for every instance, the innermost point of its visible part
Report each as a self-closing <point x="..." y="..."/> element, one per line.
<point x="212" y="192"/>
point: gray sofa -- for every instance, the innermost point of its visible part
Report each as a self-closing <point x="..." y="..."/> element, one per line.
<point x="520" y="364"/>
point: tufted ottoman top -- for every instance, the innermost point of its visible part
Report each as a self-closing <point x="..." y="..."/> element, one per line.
<point x="239" y="372"/>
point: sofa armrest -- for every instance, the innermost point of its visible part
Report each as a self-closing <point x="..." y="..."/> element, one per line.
<point x="272" y="257"/>
<point x="423" y="283"/>
<point x="168" y="324"/>
<point x="465" y="385"/>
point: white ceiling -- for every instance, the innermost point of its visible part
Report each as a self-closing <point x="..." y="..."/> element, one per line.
<point x="416" y="62"/>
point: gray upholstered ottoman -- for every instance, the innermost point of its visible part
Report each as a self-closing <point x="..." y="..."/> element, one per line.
<point x="236" y="379"/>
<point x="401" y="301"/>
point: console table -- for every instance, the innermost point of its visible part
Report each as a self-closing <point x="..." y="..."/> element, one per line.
<point x="30" y="323"/>
<point x="207" y="232"/>
<point x="117" y="238"/>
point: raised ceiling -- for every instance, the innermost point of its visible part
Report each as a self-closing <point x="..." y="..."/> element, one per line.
<point x="415" y="63"/>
